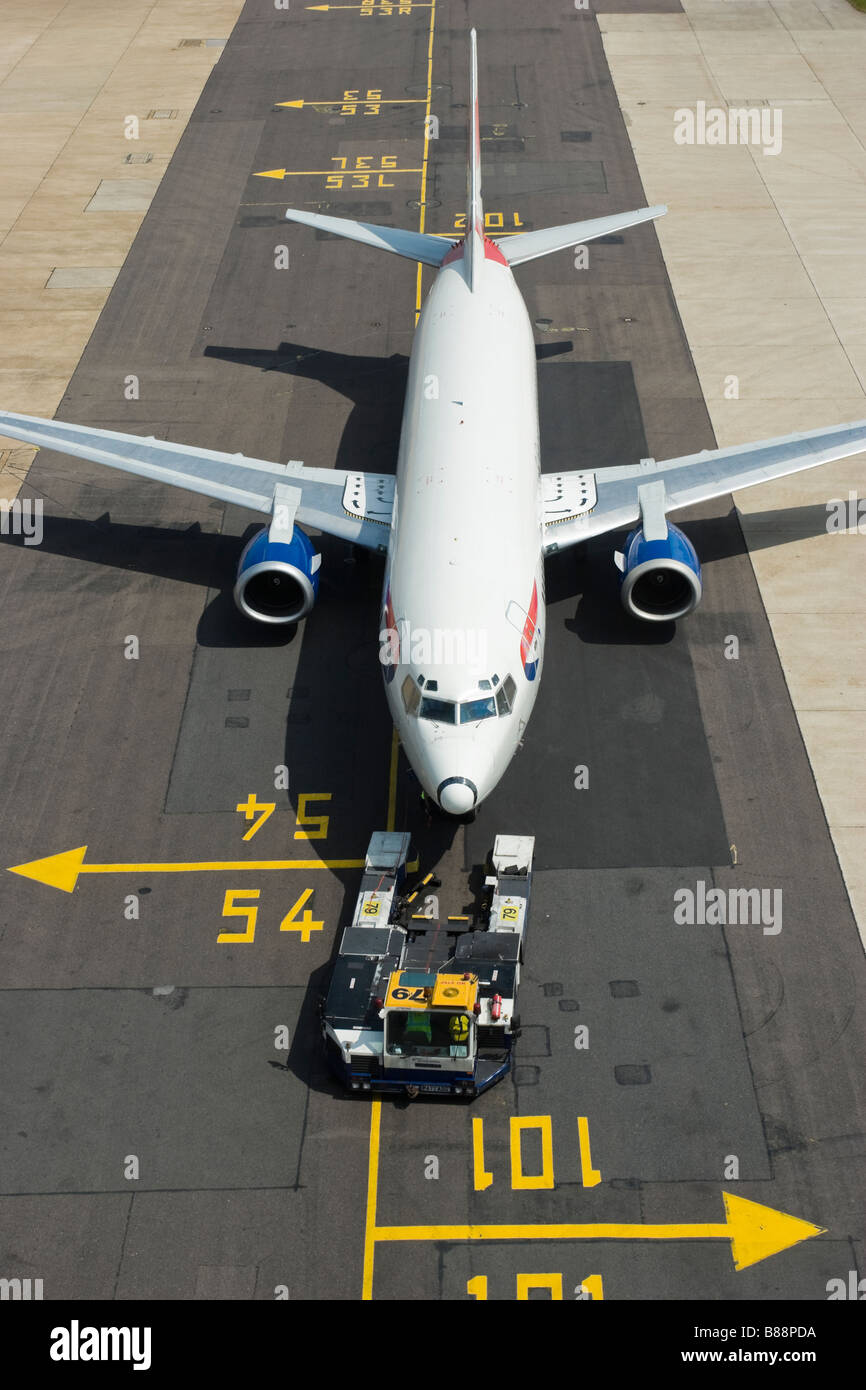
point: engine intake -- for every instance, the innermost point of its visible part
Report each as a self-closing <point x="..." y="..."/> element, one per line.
<point x="278" y="581"/>
<point x="661" y="579"/>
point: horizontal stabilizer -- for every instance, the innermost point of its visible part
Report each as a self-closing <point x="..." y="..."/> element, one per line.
<point x="415" y="246"/>
<point x="527" y="246"/>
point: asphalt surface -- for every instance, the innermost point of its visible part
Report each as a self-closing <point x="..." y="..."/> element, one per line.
<point x="155" y="1143"/>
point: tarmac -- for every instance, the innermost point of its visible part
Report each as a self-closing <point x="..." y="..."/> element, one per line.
<point x="161" y="1142"/>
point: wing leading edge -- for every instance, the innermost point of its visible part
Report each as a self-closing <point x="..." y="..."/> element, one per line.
<point x="613" y="501"/>
<point x="355" y="507"/>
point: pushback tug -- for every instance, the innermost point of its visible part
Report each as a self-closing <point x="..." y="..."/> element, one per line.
<point x="421" y="1006"/>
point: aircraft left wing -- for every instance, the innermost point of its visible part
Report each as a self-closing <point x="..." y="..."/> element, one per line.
<point x="353" y="506"/>
<point x="579" y="505"/>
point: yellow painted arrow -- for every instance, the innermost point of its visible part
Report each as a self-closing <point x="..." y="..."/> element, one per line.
<point x="395" y="3"/>
<point x="62" y="870"/>
<point x="358" y="101"/>
<point x="755" y="1231"/>
<point x="298" y="173"/>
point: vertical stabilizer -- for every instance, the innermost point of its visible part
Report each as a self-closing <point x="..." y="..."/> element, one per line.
<point x="473" y="253"/>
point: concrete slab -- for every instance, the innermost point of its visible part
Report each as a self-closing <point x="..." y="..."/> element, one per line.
<point x="768" y="75"/>
<point x="736" y="422"/>
<point x="123" y="195"/>
<point x="726" y="322"/>
<point x="69" y="76"/>
<point x="817" y="681"/>
<point x="836" y="740"/>
<point x="779" y="316"/>
<point x="83" y="277"/>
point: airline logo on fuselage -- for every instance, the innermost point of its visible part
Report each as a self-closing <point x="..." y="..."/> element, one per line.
<point x="389" y="667"/>
<point x="529" y="643"/>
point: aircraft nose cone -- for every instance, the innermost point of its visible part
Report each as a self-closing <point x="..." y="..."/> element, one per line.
<point x="457" y="795"/>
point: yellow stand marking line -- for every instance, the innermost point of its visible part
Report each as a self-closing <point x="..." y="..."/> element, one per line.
<point x="63" y="870"/>
<point x="372" y="1194"/>
<point x="424" y="159"/>
<point x="370" y="1235"/>
<point x="756" y="1232"/>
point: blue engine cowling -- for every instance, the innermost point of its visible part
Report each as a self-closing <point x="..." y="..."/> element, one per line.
<point x="660" y="580"/>
<point x="278" y="581"/>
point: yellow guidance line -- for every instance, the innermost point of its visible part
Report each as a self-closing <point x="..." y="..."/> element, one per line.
<point x="63" y="870"/>
<point x="424" y="159"/>
<point x="372" y="1197"/>
<point x="370" y="1231"/>
<point x="755" y="1231"/>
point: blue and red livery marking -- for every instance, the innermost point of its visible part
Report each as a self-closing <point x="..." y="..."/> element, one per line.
<point x="389" y="668"/>
<point x="528" y="646"/>
<point x="491" y="253"/>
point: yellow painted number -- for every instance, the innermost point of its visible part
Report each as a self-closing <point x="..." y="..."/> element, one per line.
<point x="251" y="808"/>
<point x="552" y="1282"/>
<point x="590" y="1288"/>
<point x="493" y="221"/>
<point x="232" y="907"/>
<point x="305" y="925"/>
<point x="304" y="818"/>
<point x="521" y="1181"/>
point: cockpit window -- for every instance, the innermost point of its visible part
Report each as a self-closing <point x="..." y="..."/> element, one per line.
<point x="411" y="695"/>
<point x="505" y="696"/>
<point x="445" y="711"/>
<point x="472" y="710"/>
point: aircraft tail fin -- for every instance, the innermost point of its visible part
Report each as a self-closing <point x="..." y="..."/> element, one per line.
<point x="421" y="246"/>
<point x="527" y="246"/>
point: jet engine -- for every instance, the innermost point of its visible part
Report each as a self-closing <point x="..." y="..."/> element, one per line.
<point x="278" y="580"/>
<point x="660" y="579"/>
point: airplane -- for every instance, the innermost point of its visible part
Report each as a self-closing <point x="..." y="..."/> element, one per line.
<point x="467" y="521"/>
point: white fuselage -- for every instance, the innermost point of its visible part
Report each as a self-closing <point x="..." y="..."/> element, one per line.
<point x="464" y="583"/>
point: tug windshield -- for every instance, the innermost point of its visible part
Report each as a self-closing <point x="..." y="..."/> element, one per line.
<point x="427" y="1033"/>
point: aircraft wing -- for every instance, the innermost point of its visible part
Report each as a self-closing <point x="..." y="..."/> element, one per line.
<point x="579" y="505"/>
<point x="354" y="506"/>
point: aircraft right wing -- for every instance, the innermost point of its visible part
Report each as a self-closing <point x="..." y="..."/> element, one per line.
<point x="353" y="506"/>
<point x="581" y="504"/>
